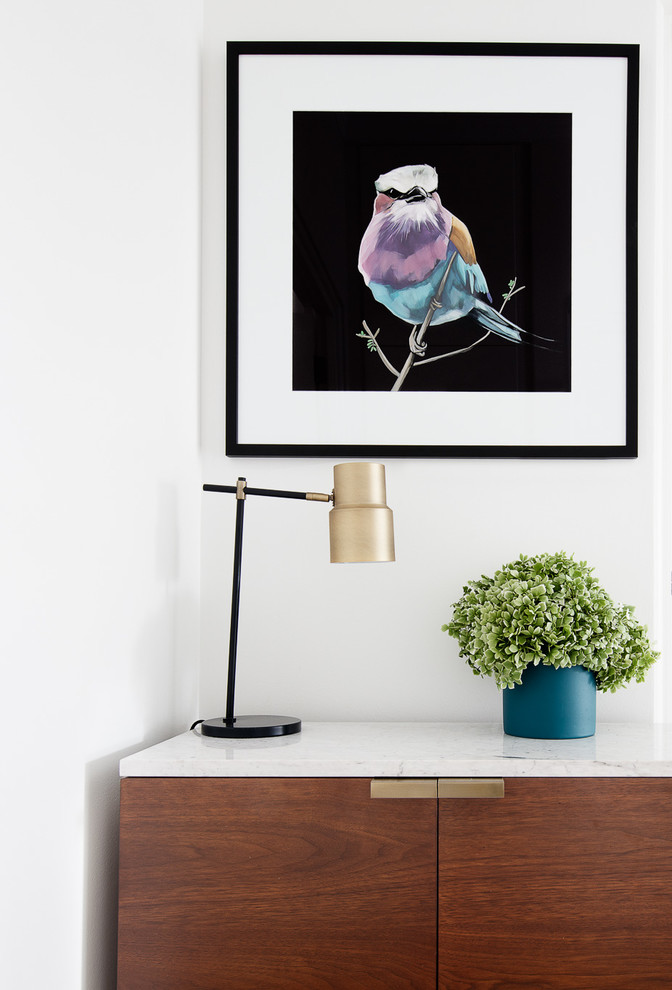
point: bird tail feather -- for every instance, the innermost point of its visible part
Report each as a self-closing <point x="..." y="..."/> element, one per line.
<point x="490" y="319"/>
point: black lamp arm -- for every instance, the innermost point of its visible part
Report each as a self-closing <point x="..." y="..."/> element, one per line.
<point x="272" y="492"/>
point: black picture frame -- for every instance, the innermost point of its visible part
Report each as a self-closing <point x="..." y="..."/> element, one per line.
<point x="260" y="416"/>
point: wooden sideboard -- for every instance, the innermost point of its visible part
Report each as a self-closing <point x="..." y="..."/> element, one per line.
<point x="273" y="882"/>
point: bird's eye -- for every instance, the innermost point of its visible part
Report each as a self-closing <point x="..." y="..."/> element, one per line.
<point x="393" y="193"/>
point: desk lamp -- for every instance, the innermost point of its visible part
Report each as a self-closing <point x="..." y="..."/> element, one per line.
<point x="360" y="529"/>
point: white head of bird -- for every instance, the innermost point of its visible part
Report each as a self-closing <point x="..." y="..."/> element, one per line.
<point x="408" y="196"/>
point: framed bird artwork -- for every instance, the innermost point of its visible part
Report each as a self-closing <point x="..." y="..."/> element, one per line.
<point x="432" y="250"/>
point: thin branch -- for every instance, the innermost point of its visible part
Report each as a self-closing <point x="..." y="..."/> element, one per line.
<point x="512" y="292"/>
<point x="510" y="295"/>
<point x="377" y="347"/>
<point x="463" y="350"/>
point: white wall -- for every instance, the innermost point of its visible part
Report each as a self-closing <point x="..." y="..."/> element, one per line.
<point x="99" y="247"/>
<point x="99" y="505"/>
<point x="351" y="643"/>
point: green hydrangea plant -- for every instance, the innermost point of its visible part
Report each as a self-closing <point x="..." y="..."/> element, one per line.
<point x="548" y="609"/>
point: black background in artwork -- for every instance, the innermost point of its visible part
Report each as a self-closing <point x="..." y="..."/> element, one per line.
<point x="506" y="176"/>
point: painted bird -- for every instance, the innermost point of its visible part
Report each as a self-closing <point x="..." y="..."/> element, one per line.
<point x="409" y="244"/>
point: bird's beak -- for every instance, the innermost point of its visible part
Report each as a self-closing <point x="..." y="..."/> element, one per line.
<point x="415" y="195"/>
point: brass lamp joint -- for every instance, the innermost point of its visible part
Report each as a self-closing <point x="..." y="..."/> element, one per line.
<point x="240" y="488"/>
<point x="319" y="497"/>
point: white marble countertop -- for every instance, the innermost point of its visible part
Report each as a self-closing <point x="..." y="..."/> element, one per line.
<point x="411" y="749"/>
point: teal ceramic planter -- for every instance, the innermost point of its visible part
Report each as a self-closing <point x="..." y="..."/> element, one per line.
<point x="551" y="703"/>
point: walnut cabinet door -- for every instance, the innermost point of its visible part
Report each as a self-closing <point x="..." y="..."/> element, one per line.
<point x="275" y="884"/>
<point x="565" y="884"/>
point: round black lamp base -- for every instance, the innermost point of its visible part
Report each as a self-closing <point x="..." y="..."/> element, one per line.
<point x="251" y="726"/>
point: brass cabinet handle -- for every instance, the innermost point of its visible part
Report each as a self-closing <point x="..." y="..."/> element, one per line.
<point x="403" y="787"/>
<point x="471" y="787"/>
<point x="430" y="787"/>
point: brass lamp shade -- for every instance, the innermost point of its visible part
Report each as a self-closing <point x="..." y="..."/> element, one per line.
<point x="360" y="523"/>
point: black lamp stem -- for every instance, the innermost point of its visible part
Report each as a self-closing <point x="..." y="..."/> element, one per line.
<point x="246" y="726"/>
<point x="235" y="609"/>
